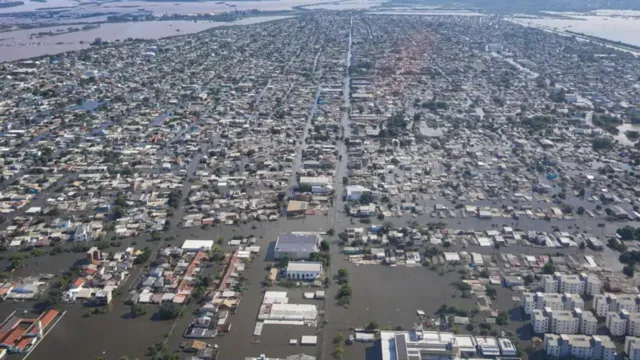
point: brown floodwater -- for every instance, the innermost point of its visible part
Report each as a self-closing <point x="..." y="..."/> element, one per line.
<point x="17" y="45"/>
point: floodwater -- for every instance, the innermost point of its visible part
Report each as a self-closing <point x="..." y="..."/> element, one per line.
<point x="172" y="7"/>
<point x="17" y="45"/>
<point x="615" y="28"/>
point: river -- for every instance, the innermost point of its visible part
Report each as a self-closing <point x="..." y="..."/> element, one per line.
<point x="17" y="45"/>
<point x="608" y="25"/>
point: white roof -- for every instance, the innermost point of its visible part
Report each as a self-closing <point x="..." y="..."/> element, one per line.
<point x="309" y="340"/>
<point x="197" y="244"/>
<point x="303" y="266"/>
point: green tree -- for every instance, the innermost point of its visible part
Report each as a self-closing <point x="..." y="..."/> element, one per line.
<point x="324" y="245"/>
<point x="628" y="270"/>
<point x="138" y="310"/>
<point x="372" y="325"/>
<point x="549" y="268"/>
<point x="169" y="311"/>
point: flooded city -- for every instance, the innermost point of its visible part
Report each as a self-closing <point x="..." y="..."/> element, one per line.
<point x="301" y="180"/>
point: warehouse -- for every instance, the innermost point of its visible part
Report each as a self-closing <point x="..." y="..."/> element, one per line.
<point x="300" y="270"/>
<point x="296" y="246"/>
<point x="195" y="245"/>
<point x="276" y="311"/>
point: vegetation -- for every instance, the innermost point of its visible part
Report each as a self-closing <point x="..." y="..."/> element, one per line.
<point x="169" y="311"/>
<point x="344" y="294"/>
<point x="373" y="325"/>
<point x="549" y="268"/>
<point x="138" y="310"/>
<point x="144" y="257"/>
<point x="503" y="318"/>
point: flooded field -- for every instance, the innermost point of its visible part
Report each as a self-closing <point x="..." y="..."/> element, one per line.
<point x="616" y="28"/>
<point x="17" y="45"/>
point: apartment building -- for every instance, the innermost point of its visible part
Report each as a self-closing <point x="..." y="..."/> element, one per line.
<point x="588" y="347"/>
<point x="563" y="321"/>
<point x="632" y="347"/>
<point x="617" y="323"/>
<point x="608" y="302"/>
<point x="582" y="284"/>
<point x="540" y="301"/>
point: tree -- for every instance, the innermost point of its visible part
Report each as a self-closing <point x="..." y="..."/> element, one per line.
<point x="628" y="270"/>
<point x="169" y="311"/>
<point x="324" y="245"/>
<point x="373" y="325"/>
<point x="284" y="261"/>
<point x="580" y="210"/>
<point x="344" y="237"/>
<point x="339" y="338"/>
<point x="343" y="273"/>
<point x="331" y="232"/>
<point x="626" y="233"/>
<point x="138" y="310"/>
<point x="502" y="318"/>
<point x="549" y="268"/>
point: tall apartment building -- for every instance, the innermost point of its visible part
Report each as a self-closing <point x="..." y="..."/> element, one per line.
<point x="633" y="324"/>
<point x="587" y="347"/>
<point x="632" y="347"/>
<point x="623" y="323"/>
<point x="617" y="322"/>
<point x="608" y="302"/>
<point x="571" y="284"/>
<point x="563" y="321"/>
<point x="540" y="301"/>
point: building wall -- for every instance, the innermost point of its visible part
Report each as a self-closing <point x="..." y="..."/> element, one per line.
<point x="564" y="326"/>
<point x="616" y="325"/>
<point x="588" y="326"/>
<point x="302" y="275"/>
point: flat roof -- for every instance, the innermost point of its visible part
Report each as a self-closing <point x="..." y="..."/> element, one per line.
<point x="197" y="244"/>
<point x="304" y="266"/>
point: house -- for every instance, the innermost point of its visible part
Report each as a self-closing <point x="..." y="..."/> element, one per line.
<point x="300" y="270"/>
<point x="94" y="254"/>
<point x="296" y="246"/>
<point x="354" y="192"/>
<point x="103" y="297"/>
<point x="296" y="207"/>
<point x="81" y="234"/>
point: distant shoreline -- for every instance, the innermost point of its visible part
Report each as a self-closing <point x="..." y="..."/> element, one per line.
<point x="9" y="4"/>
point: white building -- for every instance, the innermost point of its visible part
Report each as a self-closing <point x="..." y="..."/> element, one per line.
<point x="540" y="301"/>
<point x="633" y="324"/>
<point x="563" y="321"/>
<point x="586" y="347"/>
<point x="607" y="302"/>
<point x="632" y="347"/>
<point x="588" y="322"/>
<point x="196" y="245"/>
<point x="353" y="192"/>
<point x="617" y="323"/>
<point x="301" y="270"/>
<point x="506" y="347"/>
<point x="592" y="284"/>
<point x="571" y="284"/>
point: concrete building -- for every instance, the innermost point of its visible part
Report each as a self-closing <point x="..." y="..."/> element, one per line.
<point x="608" y="302"/>
<point x="571" y="284"/>
<point x="617" y="322"/>
<point x="633" y="324"/>
<point x="632" y="347"/>
<point x="592" y="284"/>
<point x="506" y="347"/>
<point x="420" y="344"/>
<point x="563" y="322"/>
<point x="540" y="301"/>
<point x="579" y="346"/>
<point x="300" y="270"/>
<point x="296" y="246"/>
<point x="588" y="322"/>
